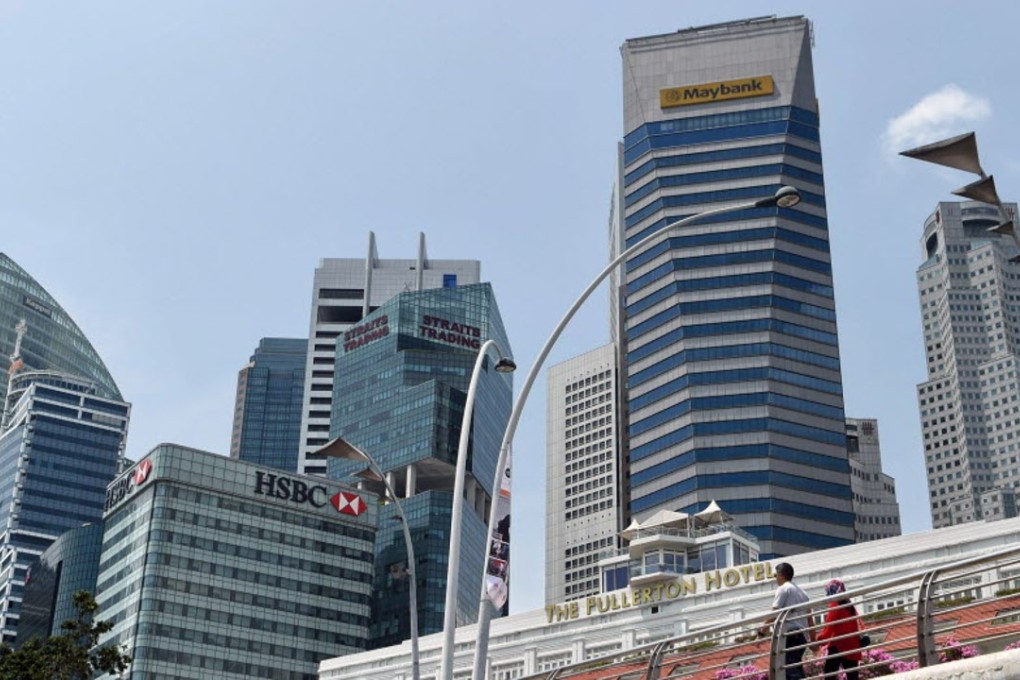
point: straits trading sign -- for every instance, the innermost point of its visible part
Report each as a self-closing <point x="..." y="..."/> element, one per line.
<point x="664" y="591"/>
<point x="706" y="93"/>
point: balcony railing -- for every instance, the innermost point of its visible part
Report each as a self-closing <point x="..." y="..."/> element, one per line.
<point x="917" y="620"/>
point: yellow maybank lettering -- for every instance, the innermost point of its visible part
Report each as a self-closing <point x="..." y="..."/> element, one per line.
<point x="706" y="93"/>
<point x="717" y="579"/>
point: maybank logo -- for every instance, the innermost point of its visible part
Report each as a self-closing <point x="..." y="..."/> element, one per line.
<point x="706" y="93"/>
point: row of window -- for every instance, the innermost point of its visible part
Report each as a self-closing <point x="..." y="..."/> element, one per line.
<point x="731" y="236"/>
<point x="737" y="480"/>
<point x="715" y="120"/>
<point x="703" y="157"/>
<point x="727" y="260"/>
<point x="728" y="304"/>
<point x="715" y="176"/>
<point x="732" y="281"/>
<point x="745" y="215"/>
<point x="740" y="426"/>
<point x="720" y="134"/>
<point x="731" y="328"/>
<point x="729" y="401"/>
<point x="716" y="196"/>
<point x="729" y="352"/>
<point x="737" y="453"/>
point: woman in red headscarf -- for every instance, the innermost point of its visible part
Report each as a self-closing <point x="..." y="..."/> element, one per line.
<point x="841" y="620"/>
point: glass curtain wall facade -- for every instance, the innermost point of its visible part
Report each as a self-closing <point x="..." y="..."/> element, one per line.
<point x="214" y="568"/>
<point x="267" y="410"/>
<point x="730" y="350"/>
<point x="69" y="565"/>
<point x="402" y="376"/>
<point x="344" y="291"/>
<point x="63" y="445"/>
<point x="970" y="307"/>
<point x="53" y="342"/>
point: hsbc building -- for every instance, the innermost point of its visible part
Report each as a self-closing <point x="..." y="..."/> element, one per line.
<point x="213" y="567"/>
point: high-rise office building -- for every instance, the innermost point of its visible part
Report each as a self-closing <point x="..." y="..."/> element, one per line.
<point x="402" y="376"/>
<point x="969" y="405"/>
<point x="69" y="565"/>
<point x="215" y="568"/>
<point x="267" y="409"/>
<point x="62" y="445"/>
<point x="876" y="511"/>
<point x="582" y="473"/>
<point x="733" y="389"/>
<point x="344" y="291"/>
<point x="52" y="342"/>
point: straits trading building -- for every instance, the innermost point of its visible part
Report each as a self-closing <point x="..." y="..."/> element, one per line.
<point x="730" y="354"/>
<point x="402" y="376"/>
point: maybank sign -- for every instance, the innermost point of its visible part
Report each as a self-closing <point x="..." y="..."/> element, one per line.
<point x="636" y="596"/>
<point x="706" y="93"/>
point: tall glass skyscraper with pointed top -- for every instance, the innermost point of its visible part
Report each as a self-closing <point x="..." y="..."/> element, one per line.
<point x="730" y="354"/>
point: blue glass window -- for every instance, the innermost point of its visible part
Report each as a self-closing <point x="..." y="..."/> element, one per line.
<point x="449" y="280"/>
<point x="731" y="351"/>
<point x="730" y="376"/>
<point x="720" y="237"/>
<point x="732" y="281"/>
<point x="719" y="195"/>
<point x="664" y="162"/>
<point x="791" y="214"/>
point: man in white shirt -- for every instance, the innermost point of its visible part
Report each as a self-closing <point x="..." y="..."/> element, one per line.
<point x="798" y="623"/>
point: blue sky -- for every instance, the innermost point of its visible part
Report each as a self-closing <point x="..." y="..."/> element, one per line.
<point x="172" y="172"/>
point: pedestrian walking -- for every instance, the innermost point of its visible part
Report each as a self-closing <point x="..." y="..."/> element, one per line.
<point x="841" y="632"/>
<point x="798" y="623"/>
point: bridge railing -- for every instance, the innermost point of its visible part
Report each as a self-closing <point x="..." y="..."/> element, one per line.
<point x="917" y="620"/>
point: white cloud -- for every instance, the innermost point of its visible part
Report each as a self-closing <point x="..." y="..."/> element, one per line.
<point x="938" y="115"/>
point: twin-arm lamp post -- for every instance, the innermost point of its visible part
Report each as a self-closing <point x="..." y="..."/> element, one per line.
<point x="785" y="197"/>
<point x="341" y="448"/>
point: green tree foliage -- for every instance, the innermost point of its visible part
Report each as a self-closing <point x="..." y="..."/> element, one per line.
<point x="69" y="656"/>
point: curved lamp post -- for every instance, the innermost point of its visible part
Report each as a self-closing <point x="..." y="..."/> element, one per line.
<point x="785" y="197"/>
<point x="341" y="448"/>
<point x="503" y="365"/>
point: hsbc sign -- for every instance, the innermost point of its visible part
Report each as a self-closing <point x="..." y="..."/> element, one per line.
<point x="126" y="485"/>
<point x="316" y="495"/>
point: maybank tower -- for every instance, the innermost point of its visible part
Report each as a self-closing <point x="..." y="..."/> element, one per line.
<point x="727" y="327"/>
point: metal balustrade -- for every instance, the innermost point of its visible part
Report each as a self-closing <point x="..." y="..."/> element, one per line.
<point x="921" y="619"/>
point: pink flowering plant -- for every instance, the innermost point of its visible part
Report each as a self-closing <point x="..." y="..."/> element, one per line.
<point x="952" y="650"/>
<point x="745" y="672"/>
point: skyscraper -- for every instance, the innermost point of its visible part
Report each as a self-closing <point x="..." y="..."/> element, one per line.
<point x="402" y="376"/>
<point x="267" y="409"/>
<point x="62" y="445"/>
<point x="53" y="341"/>
<point x="969" y="408"/>
<point x="216" y="568"/>
<point x="876" y="511"/>
<point x="730" y="353"/>
<point x="344" y="291"/>
<point x="582" y="473"/>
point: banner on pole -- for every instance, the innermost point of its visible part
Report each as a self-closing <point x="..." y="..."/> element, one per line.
<point x="497" y="571"/>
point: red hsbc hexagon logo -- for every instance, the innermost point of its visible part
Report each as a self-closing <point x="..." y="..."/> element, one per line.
<point x="348" y="503"/>
<point x="141" y="472"/>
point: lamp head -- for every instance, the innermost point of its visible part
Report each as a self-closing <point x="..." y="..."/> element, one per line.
<point x="786" y="197"/>
<point x="505" y="365"/>
<point x="341" y="448"/>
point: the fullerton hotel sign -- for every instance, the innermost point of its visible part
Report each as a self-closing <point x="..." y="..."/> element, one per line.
<point x="719" y="579"/>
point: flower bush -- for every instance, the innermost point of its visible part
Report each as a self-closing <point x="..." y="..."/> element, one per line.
<point x="1013" y="645"/>
<point x="746" y="672"/>
<point x="952" y="650"/>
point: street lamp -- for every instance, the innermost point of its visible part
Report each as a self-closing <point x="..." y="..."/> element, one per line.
<point x="503" y="365"/>
<point x="961" y="153"/>
<point x="785" y="197"/>
<point x="341" y="448"/>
